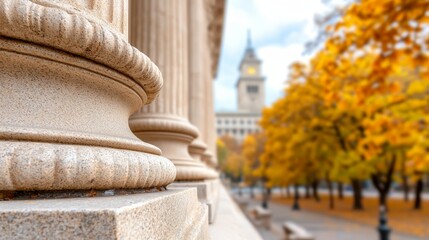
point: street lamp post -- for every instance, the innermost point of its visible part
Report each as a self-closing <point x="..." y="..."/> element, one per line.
<point x="383" y="228"/>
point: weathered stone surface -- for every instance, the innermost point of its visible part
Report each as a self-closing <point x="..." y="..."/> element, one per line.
<point x="164" y="123"/>
<point x="62" y="26"/>
<point x="208" y="193"/>
<point x="48" y="166"/>
<point x="71" y="81"/>
<point x="171" y="214"/>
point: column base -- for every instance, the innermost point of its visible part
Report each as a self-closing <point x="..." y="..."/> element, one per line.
<point x="172" y="135"/>
<point x="208" y="193"/>
<point x="171" y="214"/>
<point x="30" y="166"/>
<point x="195" y="173"/>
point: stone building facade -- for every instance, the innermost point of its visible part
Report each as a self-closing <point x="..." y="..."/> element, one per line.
<point x="250" y="99"/>
<point x="103" y="129"/>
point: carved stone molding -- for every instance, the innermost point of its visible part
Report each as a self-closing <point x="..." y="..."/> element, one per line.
<point x="64" y="124"/>
<point x="62" y="26"/>
<point x="42" y="166"/>
<point x="173" y="136"/>
<point x="215" y="15"/>
<point x="208" y="159"/>
<point x="163" y="123"/>
<point x="197" y="149"/>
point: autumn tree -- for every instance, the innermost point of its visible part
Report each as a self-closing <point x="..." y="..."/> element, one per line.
<point x="230" y="160"/>
<point x="362" y="99"/>
<point x="254" y="166"/>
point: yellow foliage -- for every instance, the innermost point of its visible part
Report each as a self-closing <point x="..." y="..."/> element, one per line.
<point x="359" y="106"/>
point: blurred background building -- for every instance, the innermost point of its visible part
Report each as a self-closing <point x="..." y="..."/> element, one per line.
<point x="250" y="89"/>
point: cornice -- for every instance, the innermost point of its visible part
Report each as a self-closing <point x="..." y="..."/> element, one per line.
<point x="215" y="12"/>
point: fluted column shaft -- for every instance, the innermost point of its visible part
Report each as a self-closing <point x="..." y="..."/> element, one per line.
<point x="160" y="28"/>
<point x="215" y="11"/>
<point x="198" y="68"/>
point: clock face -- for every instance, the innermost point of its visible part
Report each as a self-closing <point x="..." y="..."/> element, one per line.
<point x="251" y="70"/>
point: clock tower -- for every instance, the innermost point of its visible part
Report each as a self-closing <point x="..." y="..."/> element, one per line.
<point x="251" y="84"/>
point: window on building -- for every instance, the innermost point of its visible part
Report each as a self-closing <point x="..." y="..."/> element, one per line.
<point x="252" y="89"/>
<point x="219" y="132"/>
<point x="226" y="122"/>
<point x="219" y="121"/>
<point x="241" y="121"/>
<point x="249" y="122"/>
<point x="242" y="131"/>
<point x="233" y="121"/>
<point x="234" y="131"/>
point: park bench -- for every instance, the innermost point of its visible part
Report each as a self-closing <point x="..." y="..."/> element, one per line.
<point x="262" y="215"/>
<point x="295" y="232"/>
<point x="242" y="202"/>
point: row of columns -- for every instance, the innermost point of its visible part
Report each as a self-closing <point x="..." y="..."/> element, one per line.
<point x="103" y="95"/>
<point x="174" y="34"/>
<point x="65" y="116"/>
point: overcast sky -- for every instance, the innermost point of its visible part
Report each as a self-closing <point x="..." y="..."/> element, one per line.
<point x="280" y="29"/>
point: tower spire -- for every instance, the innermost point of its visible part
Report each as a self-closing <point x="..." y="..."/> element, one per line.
<point x="249" y="39"/>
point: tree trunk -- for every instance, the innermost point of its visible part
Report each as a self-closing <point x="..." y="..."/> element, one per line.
<point x="426" y="183"/>
<point x="331" y="194"/>
<point x="357" y="194"/>
<point x="383" y="184"/>
<point x="418" y="196"/>
<point x="307" y="191"/>
<point x="315" y="186"/>
<point x="382" y="189"/>
<point x="288" y="192"/>
<point x="406" y="188"/>
<point x="296" y="198"/>
<point x="340" y="190"/>
<point x="382" y="199"/>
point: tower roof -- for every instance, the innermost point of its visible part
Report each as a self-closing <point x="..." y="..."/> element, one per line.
<point x="249" y="54"/>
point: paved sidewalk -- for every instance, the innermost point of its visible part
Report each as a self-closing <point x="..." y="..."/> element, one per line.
<point x="323" y="227"/>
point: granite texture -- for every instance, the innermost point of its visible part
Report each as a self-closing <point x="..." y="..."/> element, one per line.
<point x="75" y="30"/>
<point x="208" y="193"/>
<point x="72" y="82"/>
<point x="47" y="166"/>
<point x="171" y="214"/>
<point x="164" y="123"/>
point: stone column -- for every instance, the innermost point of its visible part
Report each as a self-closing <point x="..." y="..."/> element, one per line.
<point x="198" y="68"/>
<point x="208" y="157"/>
<point x="160" y="29"/>
<point x="215" y="15"/>
<point x="70" y="80"/>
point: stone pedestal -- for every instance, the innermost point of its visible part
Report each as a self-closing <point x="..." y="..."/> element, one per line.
<point x="71" y="81"/>
<point x="173" y="214"/>
<point x="208" y="193"/>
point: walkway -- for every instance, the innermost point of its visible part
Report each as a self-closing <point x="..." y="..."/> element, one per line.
<point x="230" y="222"/>
<point x="323" y="227"/>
